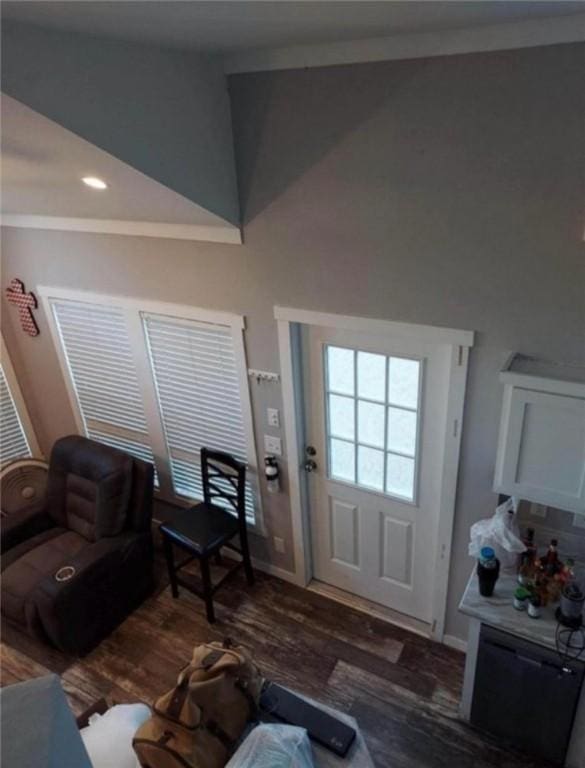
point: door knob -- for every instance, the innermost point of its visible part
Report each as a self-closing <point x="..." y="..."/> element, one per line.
<point x="310" y="465"/>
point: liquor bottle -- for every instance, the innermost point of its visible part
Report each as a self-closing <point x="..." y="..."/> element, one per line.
<point x="551" y="560"/>
<point x="527" y="558"/>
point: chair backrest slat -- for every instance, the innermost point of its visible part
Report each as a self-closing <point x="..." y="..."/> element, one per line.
<point x="224" y="477"/>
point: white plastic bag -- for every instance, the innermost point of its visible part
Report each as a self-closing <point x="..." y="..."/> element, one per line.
<point x="108" y="737"/>
<point x="274" y="746"/>
<point x="500" y="532"/>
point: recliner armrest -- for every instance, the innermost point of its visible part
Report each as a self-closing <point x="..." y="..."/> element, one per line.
<point x="24" y="524"/>
<point x="93" y="564"/>
<point x="74" y="612"/>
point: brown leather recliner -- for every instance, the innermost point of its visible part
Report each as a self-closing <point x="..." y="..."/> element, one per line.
<point x="96" y="518"/>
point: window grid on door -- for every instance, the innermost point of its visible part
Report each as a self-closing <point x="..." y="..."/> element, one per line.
<point x="372" y="420"/>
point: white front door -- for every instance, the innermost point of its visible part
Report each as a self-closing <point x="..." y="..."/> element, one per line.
<point x="376" y="412"/>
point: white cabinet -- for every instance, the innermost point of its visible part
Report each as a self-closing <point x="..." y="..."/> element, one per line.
<point x="541" y="448"/>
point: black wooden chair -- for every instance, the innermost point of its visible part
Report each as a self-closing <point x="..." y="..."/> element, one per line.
<point x="204" y="529"/>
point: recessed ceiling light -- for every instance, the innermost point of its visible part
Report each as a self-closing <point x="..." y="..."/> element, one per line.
<point x="94" y="182"/>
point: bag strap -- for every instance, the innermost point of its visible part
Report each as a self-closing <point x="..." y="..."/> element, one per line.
<point x="180" y="693"/>
<point x="177" y="703"/>
<point x="211" y="659"/>
<point x="163" y="746"/>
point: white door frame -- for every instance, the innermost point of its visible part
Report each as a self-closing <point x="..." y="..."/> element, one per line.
<point x="289" y="321"/>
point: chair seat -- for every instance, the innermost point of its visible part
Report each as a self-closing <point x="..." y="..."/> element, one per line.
<point x="203" y="528"/>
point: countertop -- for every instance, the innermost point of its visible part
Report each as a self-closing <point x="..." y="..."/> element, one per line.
<point x="498" y="611"/>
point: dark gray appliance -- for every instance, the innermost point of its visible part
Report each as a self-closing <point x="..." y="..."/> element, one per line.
<point x="523" y="694"/>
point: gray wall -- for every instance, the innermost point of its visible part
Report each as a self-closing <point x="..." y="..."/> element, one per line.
<point x="164" y="112"/>
<point x="447" y="191"/>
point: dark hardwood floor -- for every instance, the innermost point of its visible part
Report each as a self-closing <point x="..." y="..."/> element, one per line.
<point x="402" y="689"/>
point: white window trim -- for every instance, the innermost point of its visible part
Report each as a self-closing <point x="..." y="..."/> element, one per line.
<point x="133" y="309"/>
<point x="19" y="402"/>
<point x="289" y="321"/>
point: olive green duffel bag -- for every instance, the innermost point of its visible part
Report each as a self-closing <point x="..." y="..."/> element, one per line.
<point x="198" y="723"/>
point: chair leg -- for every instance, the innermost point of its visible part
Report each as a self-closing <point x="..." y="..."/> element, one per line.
<point x="170" y="558"/>
<point x="207" y="593"/>
<point x="218" y="559"/>
<point x="246" y="558"/>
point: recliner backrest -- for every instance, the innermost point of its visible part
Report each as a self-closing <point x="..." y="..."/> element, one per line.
<point x="89" y="487"/>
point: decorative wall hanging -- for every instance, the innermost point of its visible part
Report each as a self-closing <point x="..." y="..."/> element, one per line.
<point x="25" y="302"/>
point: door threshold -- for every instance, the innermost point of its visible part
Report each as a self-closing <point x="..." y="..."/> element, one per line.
<point x="381" y="612"/>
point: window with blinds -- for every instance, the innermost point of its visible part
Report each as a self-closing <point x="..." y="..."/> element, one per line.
<point x="157" y="385"/>
<point x="13" y="442"/>
<point x="196" y="377"/>
<point x="99" y="357"/>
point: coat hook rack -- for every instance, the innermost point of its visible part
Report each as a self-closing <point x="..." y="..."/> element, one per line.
<point x="261" y="376"/>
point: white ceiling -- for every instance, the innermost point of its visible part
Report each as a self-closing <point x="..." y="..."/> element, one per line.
<point x="42" y="167"/>
<point x="229" y="27"/>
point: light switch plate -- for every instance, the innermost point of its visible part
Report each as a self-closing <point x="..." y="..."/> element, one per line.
<point x="273" y="417"/>
<point x="279" y="544"/>
<point x="578" y="520"/>
<point x="273" y="445"/>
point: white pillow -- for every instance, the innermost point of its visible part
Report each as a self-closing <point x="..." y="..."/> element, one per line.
<point x="108" y="737"/>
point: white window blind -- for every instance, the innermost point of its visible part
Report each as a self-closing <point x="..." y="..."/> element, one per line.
<point x="196" y="377"/>
<point x="13" y="442"/>
<point x="101" y="365"/>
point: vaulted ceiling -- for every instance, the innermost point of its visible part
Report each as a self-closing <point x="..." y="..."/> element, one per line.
<point x="136" y="92"/>
<point x="231" y="27"/>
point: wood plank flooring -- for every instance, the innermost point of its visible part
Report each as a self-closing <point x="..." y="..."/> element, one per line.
<point x="402" y="688"/>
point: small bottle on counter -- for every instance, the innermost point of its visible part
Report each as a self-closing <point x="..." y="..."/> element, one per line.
<point x="488" y="571"/>
<point x="520" y="600"/>
<point x="534" y="604"/>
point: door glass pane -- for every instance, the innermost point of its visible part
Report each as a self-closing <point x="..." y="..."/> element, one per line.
<point x="401" y="431"/>
<point x="372" y="404"/>
<point x="403" y="382"/>
<point x="371" y="468"/>
<point x="371" y="376"/>
<point x="400" y="475"/>
<point x="342" y="416"/>
<point x="371" y="423"/>
<point x="342" y="458"/>
<point x="340" y="371"/>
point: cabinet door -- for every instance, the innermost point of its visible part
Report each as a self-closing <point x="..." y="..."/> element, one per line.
<point x="523" y="696"/>
<point x="541" y="455"/>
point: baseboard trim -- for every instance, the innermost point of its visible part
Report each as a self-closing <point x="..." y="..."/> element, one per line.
<point x="262" y="565"/>
<point x="455" y="642"/>
<point x="274" y="570"/>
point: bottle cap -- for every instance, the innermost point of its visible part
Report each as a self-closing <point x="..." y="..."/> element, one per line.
<point x="487" y="553"/>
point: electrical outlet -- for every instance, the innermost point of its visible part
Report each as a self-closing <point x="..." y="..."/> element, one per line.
<point x="538" y="510"/>
<point x="578" y="520"/>
<point x="273" y="445"/>
<point x="273" y="417"/>
<point x="279" y="544"/>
